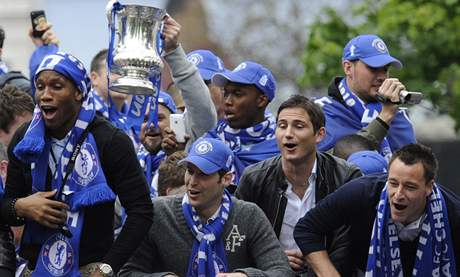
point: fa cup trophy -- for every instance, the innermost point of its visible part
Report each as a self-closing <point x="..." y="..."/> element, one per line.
<point x="134" y="41"/>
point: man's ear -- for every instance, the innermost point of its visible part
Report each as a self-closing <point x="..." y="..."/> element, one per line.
<point x="78" y="95"/>
<point x="262" y="101"/>
<point x="429" y="188"/>
<point x="347" y="68"/>
<point x="227" y="179"/>
<point x="320" y="134"/>
<point x="93" y="76"/>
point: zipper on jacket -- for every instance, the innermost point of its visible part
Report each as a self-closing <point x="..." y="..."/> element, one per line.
<point x="278" y="208"/>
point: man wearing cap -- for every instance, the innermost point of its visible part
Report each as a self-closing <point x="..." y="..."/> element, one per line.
<point x="286" y="186"/>
<point x="209" y="64"/>
<point x="352" y="105"/>
<point x="247" y="128"/>
<point x="65" y="168"/>
<point x="362" y="152"/>
<point x="150" y="154"/>
<point x="401" y="224"/>
<point x="207" y="232"/>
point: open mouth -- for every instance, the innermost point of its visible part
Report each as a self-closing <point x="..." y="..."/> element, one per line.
<point x="399" y="207"/>
<point x="48" y="111"/>
<point x="153" y="132"/>
<point x="290" y="146"/>
<point x="193" y="193"/>
<point x="229" y="115"/>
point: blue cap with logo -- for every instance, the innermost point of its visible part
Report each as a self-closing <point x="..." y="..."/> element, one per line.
<point x="208" y="64"/>
<point x="166" y="100"/>
<point x="210" y="155"/>
<point x="371" y="50"/>
<point x="369" y="162"/>
<point x="249" y="73"/>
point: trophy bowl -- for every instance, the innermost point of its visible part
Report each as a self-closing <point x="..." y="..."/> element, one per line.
<point x="135" y="56"/>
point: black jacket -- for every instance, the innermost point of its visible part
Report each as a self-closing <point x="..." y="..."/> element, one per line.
<point x="354" y="205"/>
<point x="7" y="254"/>
<point x="265" y="184"/>
<point x="124" y="176"/>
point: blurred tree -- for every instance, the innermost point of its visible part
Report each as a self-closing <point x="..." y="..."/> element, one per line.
<point x="422" y="34"/>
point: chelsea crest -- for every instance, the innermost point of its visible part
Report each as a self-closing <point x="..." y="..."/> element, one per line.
<point x="57" y="255"/>
<point x="86" y="165"/>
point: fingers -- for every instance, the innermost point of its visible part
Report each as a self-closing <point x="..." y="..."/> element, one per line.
<point x="295" y="259"/>
<point x="171" y="32"/>
<point x="46" y="194"/>
<point x="49" y="37"/>
<point x="42" y="209"/>
<point x="390" y="89"/>
<point x="169" y="142"/>
<point x="50" y="216"/>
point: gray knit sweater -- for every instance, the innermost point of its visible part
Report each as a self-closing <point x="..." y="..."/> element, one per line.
<point x="250" y="243"/>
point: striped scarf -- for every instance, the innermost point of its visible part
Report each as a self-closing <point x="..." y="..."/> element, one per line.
<point x="208" y="253"/>
<point x="384" y="253"/>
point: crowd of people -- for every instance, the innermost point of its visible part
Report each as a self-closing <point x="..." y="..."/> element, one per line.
<point x="330" y="186"/>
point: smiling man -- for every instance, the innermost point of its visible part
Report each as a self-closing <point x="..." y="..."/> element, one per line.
<point x="207" y="232"/>
<point x="401" y="223"/>
<point x="287" y="186"/>
<point x="352" y="105"/>
<point x="150" y="153"/>
<point x="65" y="169"/>
<point x="247" y="128"/>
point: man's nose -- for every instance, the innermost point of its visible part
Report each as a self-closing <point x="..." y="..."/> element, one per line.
<point x="228" y="99"/>
<point x="45" y="94"/>
<point x="289" y="133"/>
<point x="399" y="193"/>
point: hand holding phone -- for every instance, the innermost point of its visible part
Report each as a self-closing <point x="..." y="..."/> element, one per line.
<point x="177" y="124"/>
<point x="39" y="25"/>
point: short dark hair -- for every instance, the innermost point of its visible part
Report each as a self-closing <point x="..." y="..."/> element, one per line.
<point x="414" y="153"/>
<point x="350" y="144"/>
<point x="314" y="110"/>
<point x="13" y="102"/>
<point x="170" y="173"/>
<point x="2" y="36"/>
<point x="96" y="62"/>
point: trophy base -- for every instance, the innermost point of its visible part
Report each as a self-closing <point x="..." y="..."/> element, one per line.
<point x="133" y="86"/>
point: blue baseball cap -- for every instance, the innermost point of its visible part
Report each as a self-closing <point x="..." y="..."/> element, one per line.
<point x="249" y="73"/>
<point x="371" y="50"/>
<point x="208" y="64"/>
<point x="369" y="162"/>
<point x="166" y="100"/>
<point x="210" y="155"/>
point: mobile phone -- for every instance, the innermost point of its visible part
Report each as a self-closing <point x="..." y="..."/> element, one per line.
<point x="38" y="19"/>
<point x="177" y="124"/>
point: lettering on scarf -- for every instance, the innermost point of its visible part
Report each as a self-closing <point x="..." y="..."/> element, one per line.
<point x="138" y="101"/>
<point x="394" y="250"/>
<point x="234" y="239"/>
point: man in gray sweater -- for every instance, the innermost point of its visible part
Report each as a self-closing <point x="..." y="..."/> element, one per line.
<point x="207" y="232"/>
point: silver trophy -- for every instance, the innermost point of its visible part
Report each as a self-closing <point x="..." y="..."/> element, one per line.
<point x="135" y="55"/>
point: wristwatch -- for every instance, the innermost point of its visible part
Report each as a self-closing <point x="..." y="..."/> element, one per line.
<point x="105" y="270"/>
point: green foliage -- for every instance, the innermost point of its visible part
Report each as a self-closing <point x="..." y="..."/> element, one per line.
<point x="424" y="35"/>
